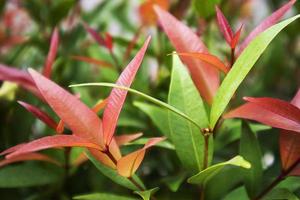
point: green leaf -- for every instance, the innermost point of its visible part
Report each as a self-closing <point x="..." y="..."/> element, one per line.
<point x="174" y="182"/>
<point x="113" y="174"/>
<point x="187" y="138"/>
<point x="281" y="193"/>
<point x="202" y="177"/>
<point x="158" y="115"/>
<point x="146" y="194"/>
<point x="59" y="10"/>
<point x="28" y="175"/>
<point x="142" y="141"/>
<point x="103" y="196"/>
<point x="250" y="150"/>
<point x="241" y="68"/>
<point x="239" y="193"/>
<point x="205" y="8"/>
<point x="141" y="94"/>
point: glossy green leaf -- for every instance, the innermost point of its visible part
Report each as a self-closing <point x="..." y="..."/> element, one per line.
<point x="163" y="144"/>
<point x="113" y="174"/>
<point x="241" y="68"/>
<point x="187" y="138"/>
<point x="103" y="196"/>
<point x="146" y="194"/>
<point x="28" y="175"/>
<point x="239" y="193"/>
<point x="250" y="150"/>
<point x="202" y="177"/>
<point x="158" y="115"/>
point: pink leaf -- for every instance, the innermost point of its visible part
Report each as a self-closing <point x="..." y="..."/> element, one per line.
<point x="224" y="26"/>
<point x="257" y="113"/>
<point x="53" y="142"/>
<point x="117" y="96"/>
<point x="28" y="157"/>
<point x="95" y="35"/>
<point x="41" y="115"/>
<point x="265" y="24"/>
<point x="123" y="139"/>
<point x="278" y="107"/>
<point x="206" y="78"/>
<point x="128" y="164"/>
<point x="12" y="149"/>
<point x="51" y="54"/>
<point x="81" y="119"/>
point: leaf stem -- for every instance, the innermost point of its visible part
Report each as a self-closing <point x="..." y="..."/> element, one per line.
<point x="232" y="57"/>
<point x="135" y="183"/>
<point x="281" y="177"/>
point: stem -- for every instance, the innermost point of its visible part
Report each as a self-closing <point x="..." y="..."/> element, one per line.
<point x="206" y="146"/>
<point x="232" y="57"/>
<point x="111" y="157"/>
<point x="281" y="177"/>
<point x="135" y="183"/>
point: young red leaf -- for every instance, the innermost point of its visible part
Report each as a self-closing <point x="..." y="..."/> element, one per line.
<point x="12" y="149"/>
<point x="98" y="38"/>
<point x="257" y="113"/>
<point x="278" y="107"/>
<point x="266" y="23"/>
<point x="20" y="77"/>
<point x="82" y="120"/>
<point x="128" y="164"/>
<point x="41" y="115"/>
<point x="224" y="26"/>
<point x="108" y="41"/>
<point x="27" y="157"/>
<point x="54" y="142"/>
<point x="94" y="61"/>
<point x="210" y="59"/>
<point x="124" y="139"/>
<point x="60" y="127"/>
<point x="236" y="38"/>
<point x="51" y="54"/>
<point x="205" y="77"/>
<point x="147" y="13"/>
<point x="117" y="96"/>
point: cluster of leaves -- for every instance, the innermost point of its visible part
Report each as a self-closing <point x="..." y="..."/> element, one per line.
<point x="193" y="128"/>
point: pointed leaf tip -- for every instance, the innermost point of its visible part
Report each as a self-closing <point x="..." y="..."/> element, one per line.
<point x="224" y="26"/>
<point x="117" y="96"/>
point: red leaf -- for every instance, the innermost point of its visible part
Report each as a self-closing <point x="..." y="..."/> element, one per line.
<point x="290" y="142"/>
<point x="184" y="39"/>
<point x="97" y="37"/>
<point x="236" y="38"/>
<point x="210" y="59"/>
<point x="41" y="115"/>
<point x="20" y="77"/>
<point x="51" y="54"/>
<point x="53" y="142"/>
<point x="27" y="157"/>
<point x="60" y="127"/>
<point x="278" y="107"/>
<point x="123" y="139"/>
<point x="224" y="26"/>
<point x="12" y="149"/>
<point x="266" y="23"/>
<point x="81" y="119"/>
<point x="257" y="113"/>
<point x="128" y="164"/>
<point x="108" y="41"/>
<point x="94" y="61"/>
<point x="117" y="96"/>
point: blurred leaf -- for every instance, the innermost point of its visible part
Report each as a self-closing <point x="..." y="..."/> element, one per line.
<point x="164" y="144"/>
<point x="280" y="193"/>
<point x="250" y="150"/>
<point x="60" y="10"/>
<point x="146" y="195"/>
<point x="187" y="138"/>
<point x="204" y="176"/>
<point x="239" y="193"/>
<point x="205" y="8"/>
<point x="103" y="196"/>
<point x="28" y="175"/>
<point x="174" y="182"/>
<point x="158" y="115"/>
<point x="113" y="174"/>
<point x="8" y="90"/>
<point x="241" y="68"/>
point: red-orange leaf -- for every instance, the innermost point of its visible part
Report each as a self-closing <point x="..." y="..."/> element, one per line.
<point x="53" y="142"/>
<point x="224" y="26"/>
<point x="117" y="96"/>
<point x="99" y="106"/>
<point x="92" y="61"/>
<point x="236" y="38"/>
<point x="27" y="157"/>
<point x="123" y="139"/>
<point x="254" y="112"/>
<point x="278" y="107"/>
<point x="210" y="59"/>
<point x="60" y="127"/>
<point x="51" y="54"/>
<point x="80" y="119"/>
<point x="41" y="115"/>
<point x="147" y="13"/>
<point x="205" y="77"/>
<point x="128" y="164"/>
<point x="265" y="24"/>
